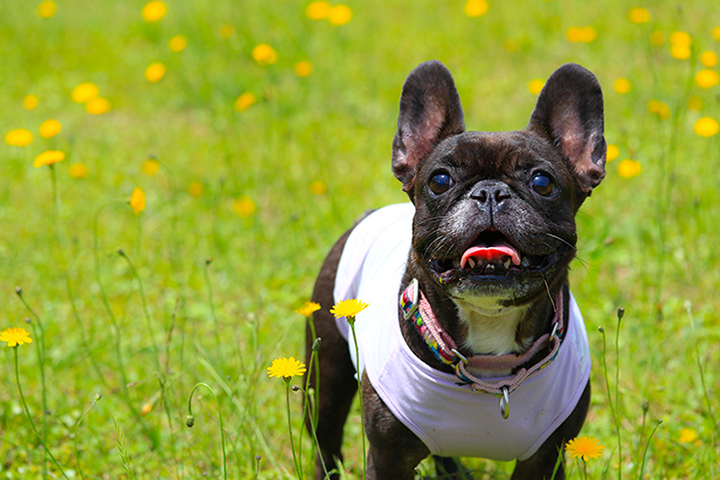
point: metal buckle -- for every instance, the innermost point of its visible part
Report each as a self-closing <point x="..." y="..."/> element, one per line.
<point x="505" y="403"/>
<point x="460" y="356"/>
<point x="554" y="331"/>
<point x="415" y="295"/>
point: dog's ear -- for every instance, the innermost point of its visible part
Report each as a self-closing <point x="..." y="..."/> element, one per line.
<point x="430" y="111"/>
<point x="569" y="113"/>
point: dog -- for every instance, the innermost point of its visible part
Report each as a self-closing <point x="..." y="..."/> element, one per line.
<point x="472" y="344"/>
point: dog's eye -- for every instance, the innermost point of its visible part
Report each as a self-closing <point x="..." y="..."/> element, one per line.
<point x="543" y="184"/>
<point x="440" y="183"/>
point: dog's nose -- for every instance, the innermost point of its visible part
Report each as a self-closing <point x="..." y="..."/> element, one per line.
<point x="492" y="193"/>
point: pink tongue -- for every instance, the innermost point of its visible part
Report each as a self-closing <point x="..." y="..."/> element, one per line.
<point x="490" y="253"/>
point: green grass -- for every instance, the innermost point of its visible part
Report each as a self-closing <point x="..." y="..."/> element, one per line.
<point x="144" y="329"/>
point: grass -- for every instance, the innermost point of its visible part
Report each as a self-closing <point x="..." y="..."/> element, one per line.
<point x="207" y="284"/>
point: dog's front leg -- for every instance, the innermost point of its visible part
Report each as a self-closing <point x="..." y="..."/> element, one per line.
<point x="394" y="450"/>
<point x="542" y="464"/>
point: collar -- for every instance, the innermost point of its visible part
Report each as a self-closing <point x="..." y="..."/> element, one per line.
<point x="417" y="309"/>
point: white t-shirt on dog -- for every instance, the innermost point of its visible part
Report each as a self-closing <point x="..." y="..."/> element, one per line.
<point x="450" y="419"/>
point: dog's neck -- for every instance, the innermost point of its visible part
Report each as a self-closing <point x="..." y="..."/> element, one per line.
<point x="490" y="328"/>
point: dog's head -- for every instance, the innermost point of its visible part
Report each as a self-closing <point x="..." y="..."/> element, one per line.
<point x="495" y="210"/>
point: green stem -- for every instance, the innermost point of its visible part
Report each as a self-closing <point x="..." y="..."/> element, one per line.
<point x="642" y="467"/>
<point x="607" y="385"/>
<point x="77" y="426"/>
<point x="27" y="412"/>
<point x="208" y="261"/>
<point x="620" y="313"/>
<point x="351" y="321"/>
<point x="298" y="468"/>
<point x="191" y="421"/>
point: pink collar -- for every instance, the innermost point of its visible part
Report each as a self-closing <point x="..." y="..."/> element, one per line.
<point x="417" y="309"/>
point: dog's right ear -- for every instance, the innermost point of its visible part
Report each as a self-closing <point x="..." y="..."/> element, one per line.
<point x="430" y="111"/>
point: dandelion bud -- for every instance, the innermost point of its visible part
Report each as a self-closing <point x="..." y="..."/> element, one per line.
<point x="208" y="261"/>
<point x="295" y="388"/>
<point x="645" y="406"/>
<point x="601" y="330"/>
<point x="620" y="313"/>
<point x="120" y="251"/>
<point x="98" y="396"/>
<point x="18" y="290"/>
<point x="316" y="344"/>
<point x="189" y="421"/>
<point x="27" y="320"/>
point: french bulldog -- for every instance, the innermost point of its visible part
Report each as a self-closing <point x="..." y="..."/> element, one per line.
<point x="472" y="344"/>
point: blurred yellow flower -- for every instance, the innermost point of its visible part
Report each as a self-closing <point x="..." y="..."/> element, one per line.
<point x="244" y="206"/>
<point x="613" y="152"/>
<point x="137" y="200"/>
<point x="155" y="72"/>
<point x="707" y="127"/>
<point x="47" y="9"/>
<point x="511" y="45"/>
<point x="639" y="15"/>
<point x="245" y="101"/>
<point x="695" y="103"/>
<point x="687" y="435"/>
<point x="15" y="336"/>
<point x="659" y="108"/>
<point x="195" y="188"/>
<point x="680" y="38"/>
<point x="227" y="31"/>
<point x="581" y="34"/>
<point x="50" y="128"/>
<point x="85" y="92"/>
<point x="340" y="15"/>
<point x="657" y="38"/>
<point x="318" y="188"/>
<point x="264" y="54"/>
<point x="19" y="137"/>
<point x="308" y="308"/>
<point x="707" y="78"/>
<point x="681" y="52"/>
<point x="48" y="157"/>
<point x="622" y="86"/>
<point x="318" y="10"/>
<point x="78" y="170"/>
<point x="30" y="102"/>
<point x="476" y="8"/>
<point x="716" y="33"/>
<point x="709" y="58"/>
<point x="629" y="168"/>
<point x="151" y="166"/>
<point x="146" y="408"/>
<point x="286" y="368"/>
<point x="536" y="85"/>
<point x="348" y="308"/>
<point x="303" y="68"/>
<point x="178" y="43"/>
<point x="98" y="106"/>
<point x="154" y="11"/>
<point x="584" y="447"/>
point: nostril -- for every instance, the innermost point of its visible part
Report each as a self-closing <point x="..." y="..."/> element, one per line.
<point x="501" y="194"/>
<point x="481" y="195"/>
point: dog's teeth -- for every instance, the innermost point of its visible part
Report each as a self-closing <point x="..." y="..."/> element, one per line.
<point x="525" y="262"/>
<point x="490" y="267"/>
<point x="507" y="264"/>
<point x="471" y="262"/>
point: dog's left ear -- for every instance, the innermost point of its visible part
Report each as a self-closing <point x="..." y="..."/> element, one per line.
<point x="569" y="113"/>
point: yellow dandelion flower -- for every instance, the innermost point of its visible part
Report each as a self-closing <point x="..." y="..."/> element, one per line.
<point x="47" y="9"/>
<point x="476" y="8"/>
<point x="30" y="102"/>
<point x="308" y="308"/>
<point x="680" y="38"/>
<point x="629" y="168"/>
<point x="19" y="137"/>
<point x="154" y="11"/>
<point x="303" y="69"/>
<point x="286" y="368"/>
<point x="657" y="38"/>
<point x="639" y="15"/>
<point x="318" y="10"/>
<point x="716" y="33"/>
<point x="536" y="85"/>
<point x="50" y="128"/>
<point x="318" y="187"/>
<point x="687" y="435"/>
<point x="85" y="92"/>
<point x="681" y="52"/>
<point x="695" y="103"/>
<point x="151" y="166"/>
<point x="244" y="206"/>
<point x="227" y="31"/>
<point x="178" y="43"/>
<point x="195" y="188"/>
<point x="581" y="34"/>
<point x="584" y="447"/>
<point x="707" y="78"/>
<point x="709" y="58"/>
<point x="48" y="157"/>
<point x="78" y="170"/>
<point x="155" y="72"/>
<point x="264" y="54"/>
<point x="348" y="308"/>
<point x="659" y="108"/>
<point x="613" y="152"/>
<point x="98" y="106"/>
<point x="15" y="336"/>
<point x="622" y="86"/>
<point x="137" y="200"/>
<point x="245" y="101"/>
<point x="340" y="15"/>
<point x="146" y="408"/>
<point x="707" y="127"/>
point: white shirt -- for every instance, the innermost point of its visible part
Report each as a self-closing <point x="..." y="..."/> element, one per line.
<point x="450" y="419"/>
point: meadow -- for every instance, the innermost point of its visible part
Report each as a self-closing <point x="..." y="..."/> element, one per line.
<point x="204" y="156"/>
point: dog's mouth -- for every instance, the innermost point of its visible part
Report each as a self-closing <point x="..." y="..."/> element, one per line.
<point x="492" y="256"/>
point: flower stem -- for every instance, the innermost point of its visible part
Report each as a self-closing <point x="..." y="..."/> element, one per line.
<point x="298" y="468"/>
<point x="351" y="321"/>
<point x="191" y="421"/>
